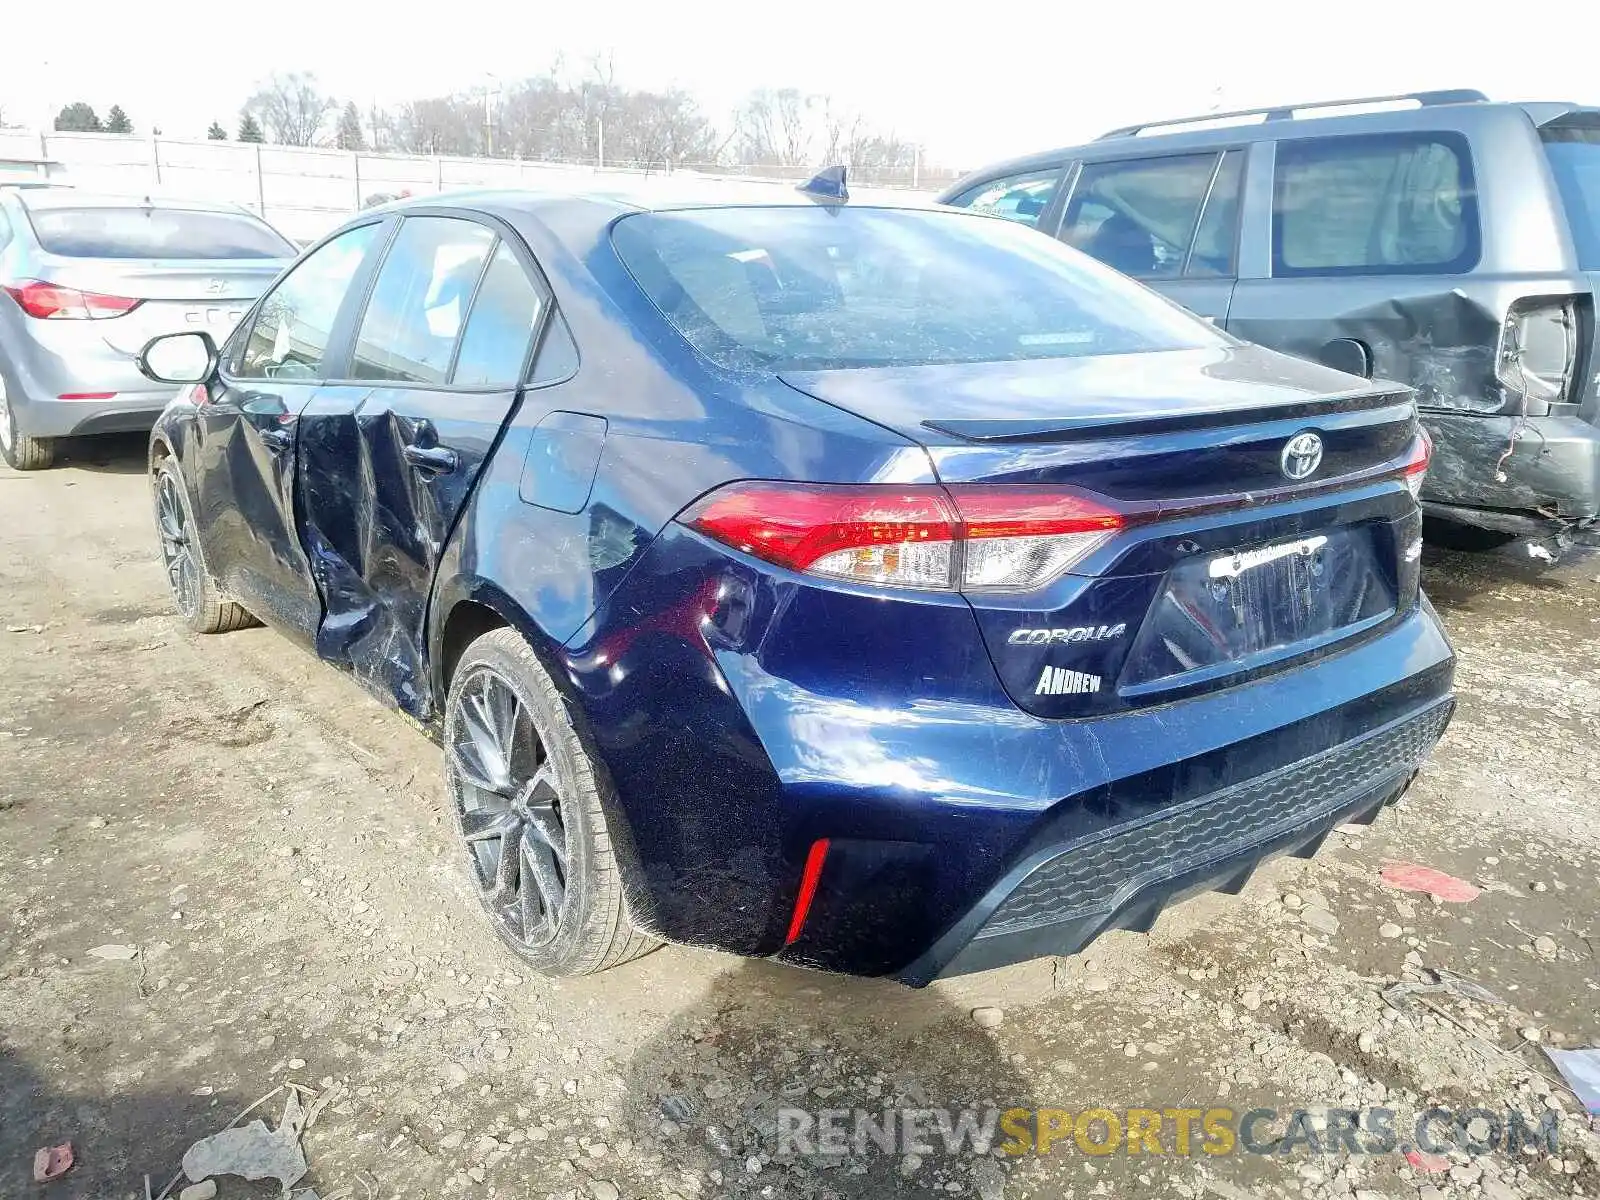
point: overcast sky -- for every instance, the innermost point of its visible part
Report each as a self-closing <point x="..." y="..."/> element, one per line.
<point x="971" y="81"/>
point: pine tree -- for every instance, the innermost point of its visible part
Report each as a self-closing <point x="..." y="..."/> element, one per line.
<point x="349" y="136"/>
<point x="250" y="129"/>
<point x="217" y="133"/>
<point x="117" y="121"/>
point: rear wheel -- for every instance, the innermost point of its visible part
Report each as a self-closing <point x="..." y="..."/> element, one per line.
<point x="201" y="603"/>
<point x="22" y="452"/>
<point x="1471" y="538"/>
<point x="527" y="799"/>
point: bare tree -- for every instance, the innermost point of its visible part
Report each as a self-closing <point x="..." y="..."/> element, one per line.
<point x="774" y="128"/>
<point x="291" y="107"/>
<point x="842" y="128"/>
<point x="440" y="125"/>
<point x="559" y="116"/>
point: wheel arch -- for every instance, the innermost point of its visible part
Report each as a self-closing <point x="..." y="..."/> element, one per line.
<point x="465" y="608"/>
<point x="168" y="439"/>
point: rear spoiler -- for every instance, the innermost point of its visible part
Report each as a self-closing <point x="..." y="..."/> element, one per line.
<point x="1559" y="113"/>
<point x="1071" y="429"/>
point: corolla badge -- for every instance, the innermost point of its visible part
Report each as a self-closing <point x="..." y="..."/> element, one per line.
<point x="1074" y="633"/>
<point x="1302" y="455"/>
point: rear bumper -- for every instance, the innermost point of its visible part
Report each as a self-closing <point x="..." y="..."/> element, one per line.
<point x="123" y="412"/>
<point x="754" y="715"/>
<point x="38" y="373"/>
<point x="1062" y="896"/>
<point x="1552" y="468"/>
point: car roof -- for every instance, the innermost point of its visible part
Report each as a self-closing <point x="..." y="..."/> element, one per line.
<point x="1207" y="129"/>
<point x="667" y="194"/>
<point x="46" y="198"/>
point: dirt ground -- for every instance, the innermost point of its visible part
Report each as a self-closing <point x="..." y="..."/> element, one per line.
<point x="275" y="846"/>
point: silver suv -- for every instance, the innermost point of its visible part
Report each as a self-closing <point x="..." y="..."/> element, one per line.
<point x="1435" y="238"/>
<point x="86" y="280"/>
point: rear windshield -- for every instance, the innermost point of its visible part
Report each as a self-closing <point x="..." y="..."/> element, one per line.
<point x="1574" y="154"/>
<point x="821" y="288"/>
<point x="154" y="233"/>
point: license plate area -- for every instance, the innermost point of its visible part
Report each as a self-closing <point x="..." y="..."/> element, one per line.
<point x="1217" y="615"/>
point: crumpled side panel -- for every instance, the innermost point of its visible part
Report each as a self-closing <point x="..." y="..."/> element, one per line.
<point x="1443" y="344"/>
<point x="369" y="526"/>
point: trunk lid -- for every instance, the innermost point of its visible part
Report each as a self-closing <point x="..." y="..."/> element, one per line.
<point x="1228" y="566"/>
<point x="1178" y="423"/>
<point x="212" y="296"/>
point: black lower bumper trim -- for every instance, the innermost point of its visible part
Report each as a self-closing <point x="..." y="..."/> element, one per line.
<point x="1063" y="897"/>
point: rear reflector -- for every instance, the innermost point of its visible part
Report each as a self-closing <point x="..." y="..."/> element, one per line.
<point x="50" y="302"/>
<point x="815" y="858"/>
<point x="972" y="536"/>
<point x="86" y="395"/>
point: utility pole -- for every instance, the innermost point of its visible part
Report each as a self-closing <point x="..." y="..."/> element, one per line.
<point x="488" y="113"/>
<point x="600" y="141"/>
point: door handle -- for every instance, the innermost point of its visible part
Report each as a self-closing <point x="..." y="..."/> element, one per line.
<point x="432" y="460"/>
<point x="277" y="440"/>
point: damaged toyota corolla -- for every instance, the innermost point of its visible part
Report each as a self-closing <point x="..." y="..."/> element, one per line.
<point x="876" y="588"/>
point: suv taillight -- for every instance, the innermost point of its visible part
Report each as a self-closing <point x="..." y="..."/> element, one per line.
<point x="1416" y="465"/>
<point x="1538" y="356"/>
<point x="974" y="537"/>
<point x="51" y="302"/>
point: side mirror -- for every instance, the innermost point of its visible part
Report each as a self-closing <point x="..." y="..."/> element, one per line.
<point x="178" y="358"/>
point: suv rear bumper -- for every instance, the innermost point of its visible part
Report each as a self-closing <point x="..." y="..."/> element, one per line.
<point x="1062" y="896"/>
<point x="1553" y="468"/>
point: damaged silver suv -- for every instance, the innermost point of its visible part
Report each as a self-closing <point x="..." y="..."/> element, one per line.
<point x="1436" y="238"/>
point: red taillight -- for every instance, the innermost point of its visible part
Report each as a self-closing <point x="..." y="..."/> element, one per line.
<point x="901" y="536"/>
<point x="1416" y="466"/>
<point x="51" y="302"/>
<point x="973" y="536"/>
<point x="1023" y="537"/>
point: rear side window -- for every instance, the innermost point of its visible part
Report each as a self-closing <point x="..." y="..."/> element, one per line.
<point x="1021" y="198"/>
<point x="154" y="233"/>
<point x="420" y="301"/>
<point x="1380" y="204"/>
<point x="1574" y="154"/>
<point x="1139" y="215"/>
<point x="289" y="339"/>
<point x="814" y="288"/>
<point x="504" y="314"/>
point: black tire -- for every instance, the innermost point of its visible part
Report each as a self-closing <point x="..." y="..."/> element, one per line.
<point x="198" y="598"/>
<point x="21" y="452"/>
<point x="1470" y="538"/>
<point x="514" y="805"/>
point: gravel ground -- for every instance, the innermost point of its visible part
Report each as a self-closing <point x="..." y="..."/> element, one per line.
<point x="274" y="845"/>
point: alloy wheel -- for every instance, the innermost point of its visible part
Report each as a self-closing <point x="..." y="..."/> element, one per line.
<point x="509" y="807"/>
<point x="177" y="551"/>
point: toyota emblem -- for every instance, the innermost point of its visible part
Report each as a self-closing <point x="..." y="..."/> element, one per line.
<point x="1302" y="455"/>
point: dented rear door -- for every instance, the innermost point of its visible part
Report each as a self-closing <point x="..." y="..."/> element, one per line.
<point x="1362" y="260"/>
<point x="390" y="457"/>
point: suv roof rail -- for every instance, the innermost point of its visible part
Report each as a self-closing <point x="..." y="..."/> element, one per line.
<point x="1286" y="112"/>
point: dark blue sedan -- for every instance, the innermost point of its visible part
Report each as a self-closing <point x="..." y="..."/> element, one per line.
<point x="870" y="587"/>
